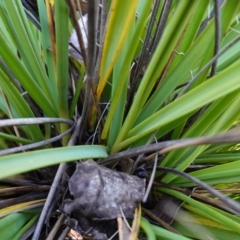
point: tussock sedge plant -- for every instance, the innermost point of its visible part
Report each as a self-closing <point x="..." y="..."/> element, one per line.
<point x="148" y="88"/>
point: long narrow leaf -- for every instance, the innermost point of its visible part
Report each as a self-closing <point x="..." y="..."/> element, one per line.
<point x="157" y="63"/>
<point x="62" y="21"/>
<point x="220" y="85"/>
<point x="23" y="162"/>
<point x="117" y="29"/>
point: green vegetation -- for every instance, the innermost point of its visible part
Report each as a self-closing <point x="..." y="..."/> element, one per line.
<point x="149" y="78"/>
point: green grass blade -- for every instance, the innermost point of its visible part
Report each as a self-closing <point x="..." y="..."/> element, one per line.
<point x="191" y="33"/>
<point x="223" y="173"/>
<point x="233" y="53"/>
<point x="117" y="30"/>
<point x="205" y="127"/>
<point x="200" y="126"/>
<point x="62" y="23"/>
<point x="27" y="45"/>
<point x="157" y="63"/>
<point x="76" y="95"/>
<point x="228" y="11"/>
<point x="24" y="77"/>
<point x="205" y="210"/>
<point x="194" y="226"/>
<point x="12" y="138"/>
<point x="147" y="227"/>
<point x="181" y="72"/>
<point x="12" y="224"/>
<point x="23" y="162"/>
<point x="224" y="83"/>
<point x="121" y="74"/>
<point x="19" y="107"/>
<point x="26" y="227"/>
<point x="47" y="48"/>
<point x="219" y="158"/>
<point x="163" y="233"/>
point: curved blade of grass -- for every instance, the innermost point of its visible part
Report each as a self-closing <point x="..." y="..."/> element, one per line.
<point x="200" y="127"/>
<point x="163" y="130"/>
<point x="164" y="50"/>
<point x="19" y="207"/>
<point x="171" y="81"/>
<point x="147" y="227"/>
<point x="77" y="91"/>
<point x="118" y="27"/>
<point x="223" y="123"/>
<point x="219" y="86"/>
<point x="214" y="175"/>
<point x="205" y="210"/>
<point x="211" y="115"/>
<point x="19" y="107"/>
<point x="233" y="53"/>
<point x="24" y="77"/>
<point x="4" y="27"/>
<point x="27" y="226"/>
<point x="194" y="226"/>
<point x="163" y="233"/>
<point x="220" y="148"/>
<point x="191" y="33"/>
<point x="12" y="224"/>
<point x="62" y="23"/>
<point x="13" y="138"/>
<point x="219" y="158"/>
<point x="152" y="231"/>
<point x="46" y="44"/>
<point x="224" y="213"/>
<point x="229" y="11"/>
<point x="27" y="45"/>
<point x="23" y="162"/>
<point x="181" y="72"/>
<point x="121" y="72"/>
<point x="119" y="93"/>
